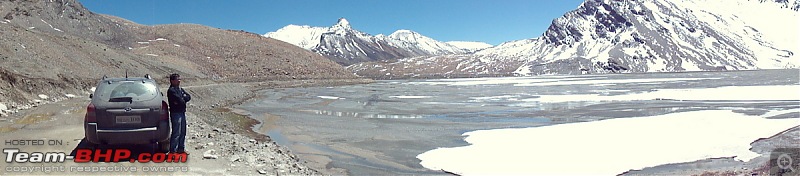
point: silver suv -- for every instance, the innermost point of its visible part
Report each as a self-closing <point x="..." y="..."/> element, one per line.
<point x="127" y="111"/>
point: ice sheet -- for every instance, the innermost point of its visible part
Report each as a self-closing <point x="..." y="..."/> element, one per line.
<point x="737" y="93"/>
<point x="510" y="80"/>
<point x="608" y="81"/>
<point x="606" y="147"/>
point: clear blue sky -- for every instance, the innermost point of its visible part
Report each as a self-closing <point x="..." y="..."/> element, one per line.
<point x="490" y="21"/>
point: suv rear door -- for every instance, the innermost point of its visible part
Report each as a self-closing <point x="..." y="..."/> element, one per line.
<point x="127" y="104"/>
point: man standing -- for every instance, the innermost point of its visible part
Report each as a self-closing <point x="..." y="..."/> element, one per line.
<point x="177" y="98"/>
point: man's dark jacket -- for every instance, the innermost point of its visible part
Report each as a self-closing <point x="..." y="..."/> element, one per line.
<point x="177" y="98"/>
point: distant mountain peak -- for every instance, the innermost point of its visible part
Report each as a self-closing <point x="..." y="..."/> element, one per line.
<point x="405" y="34"/>
<point x="342" y="23"/>
<point x="403" y="31"/>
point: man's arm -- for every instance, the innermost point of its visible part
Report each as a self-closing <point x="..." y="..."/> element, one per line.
<point x="186" y="95"/>
<point x="174" y="97"/>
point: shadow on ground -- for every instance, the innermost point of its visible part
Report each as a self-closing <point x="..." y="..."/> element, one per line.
<point x="103" y="150"/>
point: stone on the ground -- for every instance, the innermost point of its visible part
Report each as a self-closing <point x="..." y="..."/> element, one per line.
<point x="209" y="154"/>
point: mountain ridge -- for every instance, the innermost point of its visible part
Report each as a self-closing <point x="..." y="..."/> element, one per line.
<point x="603" y="36"/>
<point x="347" y="46"/>
<point x="470" y="46"/>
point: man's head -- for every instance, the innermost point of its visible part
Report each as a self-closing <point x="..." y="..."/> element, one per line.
<point x="175" y="79"/>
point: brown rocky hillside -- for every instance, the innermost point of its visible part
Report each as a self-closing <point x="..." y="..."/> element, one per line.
<point x="58" y="47"/>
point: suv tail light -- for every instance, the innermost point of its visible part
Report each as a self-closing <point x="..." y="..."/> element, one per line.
<point x="91" y="115"/>
<point x="164" y="111"/>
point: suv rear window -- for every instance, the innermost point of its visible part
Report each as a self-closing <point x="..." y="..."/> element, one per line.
<point x="135" y="90"/>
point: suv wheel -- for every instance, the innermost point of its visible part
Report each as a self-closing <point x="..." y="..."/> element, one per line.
<point x="163" y="146"/>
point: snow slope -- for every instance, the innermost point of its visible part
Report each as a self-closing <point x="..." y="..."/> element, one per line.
<point x="470" y="46"/>
<point x="306" y="37"/>
<point x="603" y="36"/>
<point x="419" y="43"/>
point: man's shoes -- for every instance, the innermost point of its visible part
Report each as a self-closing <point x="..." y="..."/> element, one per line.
<point x="179" y="153"/>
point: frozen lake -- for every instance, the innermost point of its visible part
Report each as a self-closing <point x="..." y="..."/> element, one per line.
<point x="384" y="127"/>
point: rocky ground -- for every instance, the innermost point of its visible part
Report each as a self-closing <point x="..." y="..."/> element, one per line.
<point x="59" y="47"/>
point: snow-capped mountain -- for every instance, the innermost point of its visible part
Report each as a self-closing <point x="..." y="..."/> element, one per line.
<point x="419" y="44"/>
<point x="470" y="46"/>
<point x="346" y="45"/>
<point x="639" y="36"/>
<point x="303" y="36"/>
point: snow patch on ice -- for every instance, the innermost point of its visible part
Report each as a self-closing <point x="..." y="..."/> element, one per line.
<point x="606" y="147"/>
<point x="409" y="97"/>
<point x="330" y="97"/>
<point x="609" y="81"/>
<point x="729" y="93"/>
<point x="499" y="97"/>
<point x="491" y="81"/>
<point x="774" y="113"/>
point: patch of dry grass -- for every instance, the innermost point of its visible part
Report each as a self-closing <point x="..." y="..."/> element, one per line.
<point x="34" y="118"/>
<point x="7" y="129"/>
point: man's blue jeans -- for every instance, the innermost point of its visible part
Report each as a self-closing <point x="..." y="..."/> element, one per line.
<point x="178" y="136"/>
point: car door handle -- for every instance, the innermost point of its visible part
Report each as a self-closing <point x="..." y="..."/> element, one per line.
<point x="121" y="111"/>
